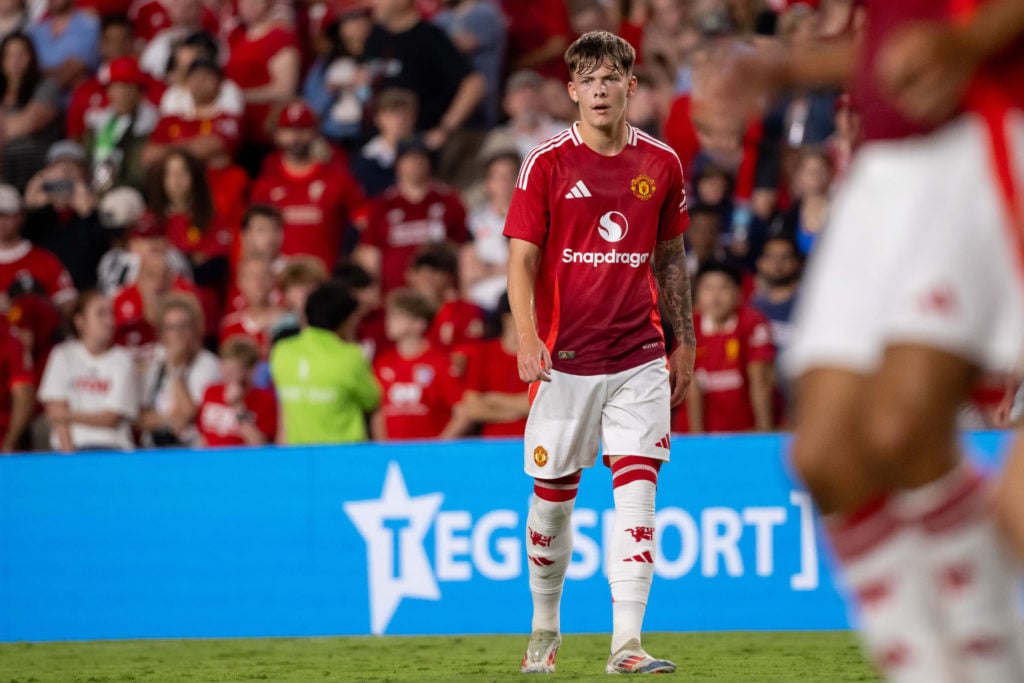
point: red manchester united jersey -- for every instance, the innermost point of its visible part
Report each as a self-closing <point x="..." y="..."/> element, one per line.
<point x="720" y="370"/>
<point x="418" y="393"/>
<point x="316" y="206"/>
<point x="597" y="220"/>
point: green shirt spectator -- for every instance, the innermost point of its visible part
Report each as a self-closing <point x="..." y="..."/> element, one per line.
<point x="325" y="385"/>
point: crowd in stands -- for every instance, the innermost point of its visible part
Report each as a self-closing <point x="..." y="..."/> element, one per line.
<point x="260" y="221"/>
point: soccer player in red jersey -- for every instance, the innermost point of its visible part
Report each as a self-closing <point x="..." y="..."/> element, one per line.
<point x="31" y="268"/>
<point x="234" y="412"/>
<point x="913" y="290"/>
<point x="415" y="377"/>
<point x="596" y="227"/>
<point x="734" y="370"/>
<point x="319" y="200"/>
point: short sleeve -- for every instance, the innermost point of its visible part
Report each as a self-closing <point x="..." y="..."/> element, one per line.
<point x="760" y="345"/>
<point x="123" y="397"/>
<point x="674" y="218"/>
<point x="54" y="385"/>
<point x="528" y="214"/>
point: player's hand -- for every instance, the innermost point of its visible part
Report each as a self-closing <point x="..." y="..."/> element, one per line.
<point x="534" y="361"/>
<point x="925" y="69"/>
<point x="680" y="367"/>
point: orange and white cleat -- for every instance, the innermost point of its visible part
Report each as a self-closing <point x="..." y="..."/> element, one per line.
<point x="540" y="653"/>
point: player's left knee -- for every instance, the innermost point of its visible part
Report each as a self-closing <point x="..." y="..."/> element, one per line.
<point x="629" y="468"/>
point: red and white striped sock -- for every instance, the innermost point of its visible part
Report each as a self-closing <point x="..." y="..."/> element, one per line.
<point x="549" y="546"/>
<point x="971" y="574"/>
<point x="881" y="562"/>
<point x="631" y="552"/>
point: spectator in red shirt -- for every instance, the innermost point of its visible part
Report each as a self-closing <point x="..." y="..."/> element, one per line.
<point x="152" y="16"/>
<point x="207" y="131"/>
<point x="415" y="212"/>
<point x="185" y="17"/>
<point x="734" y="369"/>
<point x="264" y="62"/>
<point x="256" y="285"/>
<point x="434" y="274"/>
<point x="235" y="412"/>
<point x="318" y="199"/>
<point x="17" y="390"/>
<point x="136" y="307"/>
<point x="419" y="391"/>
<point x="31" y="269"/>
<point x="538" y="33"/>
<point x="495" y="397"/>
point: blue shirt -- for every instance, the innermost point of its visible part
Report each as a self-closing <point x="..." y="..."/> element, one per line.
<point x="79" y="40"/>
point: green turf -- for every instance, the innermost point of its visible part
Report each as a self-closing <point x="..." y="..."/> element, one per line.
<point x="727" y="657"/>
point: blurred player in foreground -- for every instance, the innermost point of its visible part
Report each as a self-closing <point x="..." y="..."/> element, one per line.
<point x="590" y="207"/>
<point x="914" y="289"/>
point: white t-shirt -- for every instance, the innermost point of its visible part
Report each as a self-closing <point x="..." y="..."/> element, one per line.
<point x="491" y="247"/>
<point x="92" y="384"/>
<point x="200" y="374"/>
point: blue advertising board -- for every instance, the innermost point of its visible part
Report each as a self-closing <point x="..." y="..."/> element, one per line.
<point x="401" y="539"/>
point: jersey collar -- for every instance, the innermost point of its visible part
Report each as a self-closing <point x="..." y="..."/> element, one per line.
<point x="574" y="132"/>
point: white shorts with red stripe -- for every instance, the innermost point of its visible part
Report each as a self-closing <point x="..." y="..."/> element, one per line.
<point x="572" y="415"/>
<point x="920" y="249"/>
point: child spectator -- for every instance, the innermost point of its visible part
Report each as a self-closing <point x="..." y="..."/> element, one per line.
<point x="395" y="119"/>
<point x="415" y="212"/>
<point x="235" y="412"/>
<point x="30" y="105"/>
<point x="495" y="397"/>
<point x="484" y="270"/>
<point x="177" y="376"/>
<point x="324" y="384"/>
<point x="733" y="373"/>
<point x="434" y="275"/>
<point x="299" y="278"/>
<point x="89" y="386"/>
<point x="17" y="390"/>
<point x="256" y="286"/>
<point x="415" y="377"/>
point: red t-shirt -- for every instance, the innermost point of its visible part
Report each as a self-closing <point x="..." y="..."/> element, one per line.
<point x="399" y="228"/>
<point x="597" y="220"/>
<point x="418" y="393"/>
<point x="720" y="370"/>
<point x="317" y="207"/>
<point x="530" y="25"/>
<point x="240" y="323"/>
<point x="36" y="270"/>
<point x="151" y="17"/>
<point x="189" y="239"/>
<point x="217" y="422"/>
<point x="490" y="368"/>
<point x="456" y="324"/>
<point x="248" y="66"/>
<point x="174" y="130"/>
<point x="15" y="369"/>
<point x="92" y="94"/>
<point x="38" y="316"/>
<point x="131" y="327"/>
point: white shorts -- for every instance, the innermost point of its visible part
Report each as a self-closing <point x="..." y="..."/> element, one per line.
<point x="918" y="250"/>
<point x="572" y="415"/>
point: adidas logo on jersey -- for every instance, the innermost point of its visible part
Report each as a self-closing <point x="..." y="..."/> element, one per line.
<point x="579" y="190"/>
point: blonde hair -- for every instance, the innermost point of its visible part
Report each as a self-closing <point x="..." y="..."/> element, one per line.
<point x="181" y="301"/>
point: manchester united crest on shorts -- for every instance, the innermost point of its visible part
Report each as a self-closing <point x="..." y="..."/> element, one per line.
<point x="540" y="456"/>
<point x="643" y="187"/>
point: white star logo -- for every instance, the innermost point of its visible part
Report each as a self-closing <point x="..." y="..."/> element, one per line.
<point x="393" y="528"/>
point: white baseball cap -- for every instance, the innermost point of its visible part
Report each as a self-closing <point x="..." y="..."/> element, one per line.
<point x="121" y="207"/>
<point x="10" y="200"/>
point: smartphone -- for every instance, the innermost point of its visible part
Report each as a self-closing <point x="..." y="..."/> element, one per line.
<point x="62" y="186"/>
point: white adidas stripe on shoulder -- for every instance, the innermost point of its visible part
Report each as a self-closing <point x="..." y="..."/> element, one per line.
<point x="651" y="140"/>
<point x="535" y="153"/>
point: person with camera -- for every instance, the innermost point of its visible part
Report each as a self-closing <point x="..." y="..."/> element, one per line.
<point x="61" y="213"/>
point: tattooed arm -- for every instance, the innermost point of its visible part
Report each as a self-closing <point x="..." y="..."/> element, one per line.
<point x="674" y="290"/>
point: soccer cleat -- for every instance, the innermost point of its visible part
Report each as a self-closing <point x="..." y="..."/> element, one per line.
<point x="631" y="659"/>
<point x="540" y="653"/>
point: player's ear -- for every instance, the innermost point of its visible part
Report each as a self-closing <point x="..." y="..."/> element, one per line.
<point x="571" y="87"/>
<point x="632" y="86"/>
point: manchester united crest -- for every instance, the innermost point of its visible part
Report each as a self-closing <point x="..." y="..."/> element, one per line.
<point x="643" y="187"/>
<point x="540" y="456"/>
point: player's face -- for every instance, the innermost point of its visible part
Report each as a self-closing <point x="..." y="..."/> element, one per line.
<point x="717" y="296"/>
<point x="602" y="95"/>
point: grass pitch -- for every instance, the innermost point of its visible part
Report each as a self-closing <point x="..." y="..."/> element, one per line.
<point x="726" y="657"/>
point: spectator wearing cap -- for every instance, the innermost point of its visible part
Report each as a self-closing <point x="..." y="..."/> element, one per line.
<point x="119" y="208"/>
<point x="13" y="17"/>
<point x="319" y="199"/>
<point x="186" y="18"/>
<point x="734" y="371"/>
<point x="178" y="100"/>
<point x="478" y="30"/>
<point x="29" y="111"/>
<point x="62" y="213"/>
<point x="26" y="268"/>
<point x="395" y="119"/>
<point x="67" y="42"/>
<point x="337" y="85"/>
<point x="406" y="52"/>
<point x="324" y="384"/>
<point x="116" y="40"/>
<point x="116" y="134"/>
<point x="264" y="61"/>
<point x="208" y="133"/>
<point x="414" y="212"/>
<point x="484" y="270"/>
<point x="528" y="121"/>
